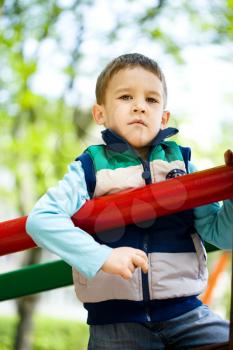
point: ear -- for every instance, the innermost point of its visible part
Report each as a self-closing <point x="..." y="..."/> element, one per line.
<point x="165" y="119"/>
<point x="98" y="114"/>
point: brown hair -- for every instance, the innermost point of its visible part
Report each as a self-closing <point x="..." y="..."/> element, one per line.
<point x="130" y="60"/>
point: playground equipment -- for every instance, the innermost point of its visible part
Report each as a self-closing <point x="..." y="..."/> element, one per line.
<point x="109" y="212"/>
<point x="134" y="206"/>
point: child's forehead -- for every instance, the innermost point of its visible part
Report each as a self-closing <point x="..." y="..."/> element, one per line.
<point x="134" y="76"/>
<point x="134" y="70"/>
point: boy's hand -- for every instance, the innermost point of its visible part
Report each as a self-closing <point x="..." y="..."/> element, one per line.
<point x="124" y="260"/>
<point x="228" y="157"/>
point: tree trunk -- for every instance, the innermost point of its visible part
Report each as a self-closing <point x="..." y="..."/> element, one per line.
<point x="26" y="306"/>
<point x="24" y="331"/>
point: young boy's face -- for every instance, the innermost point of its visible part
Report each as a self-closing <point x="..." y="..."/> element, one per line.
<point x="134" y="107"/>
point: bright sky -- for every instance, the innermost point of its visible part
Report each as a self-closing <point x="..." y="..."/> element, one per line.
<point x="200" y="91"/>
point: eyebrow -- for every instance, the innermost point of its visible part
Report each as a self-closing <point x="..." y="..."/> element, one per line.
<point x="153" y="92"/>
<point x="150" y="92"/>
<point x="122" y="90"/>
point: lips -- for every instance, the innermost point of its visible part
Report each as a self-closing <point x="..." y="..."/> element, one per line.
<point x="137" y="121"/>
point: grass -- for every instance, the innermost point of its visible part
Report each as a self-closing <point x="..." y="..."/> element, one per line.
<point x="49" y="334"/>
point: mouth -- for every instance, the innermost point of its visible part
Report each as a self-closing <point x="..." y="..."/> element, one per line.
<point x="137" y="121"/>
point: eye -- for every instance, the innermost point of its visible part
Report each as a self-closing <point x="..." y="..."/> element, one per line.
<point x="152" y="100"/>
<point x="125" y="97"/>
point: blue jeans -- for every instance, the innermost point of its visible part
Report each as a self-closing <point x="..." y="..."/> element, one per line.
<point x="195" y="328"/>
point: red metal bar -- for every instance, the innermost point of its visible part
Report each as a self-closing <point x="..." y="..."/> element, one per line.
<point x="13" y="237"/>
<point x="134" y="206"/>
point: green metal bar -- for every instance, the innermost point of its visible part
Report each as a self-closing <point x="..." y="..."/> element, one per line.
<point x="41" y="277"/>
<point x="34" y="279"/>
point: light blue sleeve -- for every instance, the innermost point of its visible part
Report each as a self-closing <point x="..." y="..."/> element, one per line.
<point x="50" y="226"/>
<point x="214" y="223"/>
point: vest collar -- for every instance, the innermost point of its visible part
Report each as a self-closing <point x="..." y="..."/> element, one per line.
<point x="117" y="144"/>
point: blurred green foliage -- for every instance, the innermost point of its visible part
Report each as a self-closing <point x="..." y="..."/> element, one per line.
<point x="175" y="25"/>
<point x="39" y="135"/>
<point x="49" y="334"/>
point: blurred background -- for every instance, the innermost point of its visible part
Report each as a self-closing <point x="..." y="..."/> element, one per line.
<point x="51" y="53"/>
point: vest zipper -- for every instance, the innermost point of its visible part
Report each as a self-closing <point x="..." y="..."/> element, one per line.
<point x="145" y="282"/>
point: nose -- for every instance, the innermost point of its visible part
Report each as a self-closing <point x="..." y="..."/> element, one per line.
<point x="139" y="107"/>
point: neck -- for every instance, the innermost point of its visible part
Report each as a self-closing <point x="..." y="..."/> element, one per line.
<point x="143" y="152"/>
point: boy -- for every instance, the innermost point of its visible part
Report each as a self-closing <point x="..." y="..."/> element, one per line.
<point x="139" y="284"/>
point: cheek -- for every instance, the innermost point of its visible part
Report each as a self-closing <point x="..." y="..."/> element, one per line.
<point x="111" y="121"/>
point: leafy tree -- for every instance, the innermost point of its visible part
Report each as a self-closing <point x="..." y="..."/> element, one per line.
<point x="38" y="136"/>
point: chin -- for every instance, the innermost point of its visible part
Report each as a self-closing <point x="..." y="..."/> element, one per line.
<point x="138" y="145"/>
<point x="140" y="141"/>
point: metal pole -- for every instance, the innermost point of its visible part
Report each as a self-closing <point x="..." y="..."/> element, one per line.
<point x="134" y="206"/>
